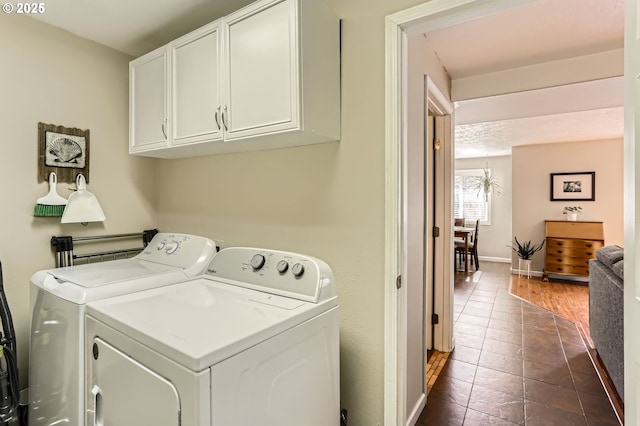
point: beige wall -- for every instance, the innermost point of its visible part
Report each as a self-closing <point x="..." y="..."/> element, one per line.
<point x="422" y="61"/>
<point x="51" y="76"/>
<point x="325" y="200"/>
<point x="532" y="166"/>
<point x="495" y="239"/>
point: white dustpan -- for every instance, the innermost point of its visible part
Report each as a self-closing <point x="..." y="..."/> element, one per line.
<point x="82" y="206"/>
<point x="51" y="204"/>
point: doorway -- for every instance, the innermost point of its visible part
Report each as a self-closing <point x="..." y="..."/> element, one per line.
<point x="398" y="28"/>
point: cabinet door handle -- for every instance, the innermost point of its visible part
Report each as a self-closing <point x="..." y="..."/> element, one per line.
<point x="164" y="132"/>
<point x="216" y="117"/>
<point x="224" y="121"/>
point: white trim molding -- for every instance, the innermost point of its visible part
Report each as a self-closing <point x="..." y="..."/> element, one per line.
<point x="421" y="18"/>
<point x="495" y="259"/>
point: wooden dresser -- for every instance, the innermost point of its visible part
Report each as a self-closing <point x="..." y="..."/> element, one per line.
<point x="570" y="245"/>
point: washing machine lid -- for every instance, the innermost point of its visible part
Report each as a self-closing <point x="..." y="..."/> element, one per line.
<point x="201" y="322"/>
<point x="99" y="274"/>
<point x="81" y="285"/>
<point x="165" y="253"/>
<point x="168" y="258"/>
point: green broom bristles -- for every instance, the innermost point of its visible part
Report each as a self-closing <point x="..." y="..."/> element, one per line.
<point x="45" y="210"/>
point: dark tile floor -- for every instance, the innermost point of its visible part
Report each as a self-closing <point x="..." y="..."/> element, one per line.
<point x="514" y="363"/>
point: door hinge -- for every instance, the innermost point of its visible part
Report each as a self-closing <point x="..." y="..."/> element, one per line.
<point x="436" y="231"/>
<point x="399" y="282"/>
<point x="435" y="319"/>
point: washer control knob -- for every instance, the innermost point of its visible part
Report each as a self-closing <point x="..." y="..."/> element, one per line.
<point x="282" y="266"/>
<point x="297" y="269"/>
<point x="257" y="262"/>
<point x="160" y="246"/>
<point x="171" y="248"/>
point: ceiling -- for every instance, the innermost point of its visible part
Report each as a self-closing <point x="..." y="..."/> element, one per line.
<point x="535" y="32"/>
<point x="135" y="27"/>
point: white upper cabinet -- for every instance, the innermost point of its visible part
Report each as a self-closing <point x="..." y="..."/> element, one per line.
<point x="262" y="76"/>
<point x="195" y="88"/>
<point x="148" y="91"/>
<point x="266" y="76"/>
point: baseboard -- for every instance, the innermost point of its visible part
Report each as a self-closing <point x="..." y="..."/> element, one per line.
<point x="417" y="410"/>
<point x="495" y="259"/>
<point x="572" y="278"/>
<point x="523" y="272"/>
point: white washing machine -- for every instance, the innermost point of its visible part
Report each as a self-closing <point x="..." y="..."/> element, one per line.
<point x="59" y="297"/>
<point x="252" y="342"/>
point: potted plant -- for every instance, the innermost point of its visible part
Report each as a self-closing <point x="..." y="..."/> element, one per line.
<point x="572" y="212"/>
<point x="486" y="184"/>
<point x="525" y="252"/>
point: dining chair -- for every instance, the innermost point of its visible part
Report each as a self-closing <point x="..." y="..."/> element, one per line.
<point x="461" y="255"/>
<point x="458" y="221"/>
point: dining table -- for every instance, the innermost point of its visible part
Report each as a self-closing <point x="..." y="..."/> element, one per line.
<point x="466" y="234"/>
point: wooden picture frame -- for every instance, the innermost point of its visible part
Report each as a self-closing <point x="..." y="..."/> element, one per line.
<point x="63" y="150"/>
<point x="578" y="186"/>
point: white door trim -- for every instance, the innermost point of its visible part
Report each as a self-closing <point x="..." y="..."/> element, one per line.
<point x="421" y="18"/>
<point x="631" y="213"/>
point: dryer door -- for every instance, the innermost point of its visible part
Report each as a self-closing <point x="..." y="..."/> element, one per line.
<point x="124" y="392"/>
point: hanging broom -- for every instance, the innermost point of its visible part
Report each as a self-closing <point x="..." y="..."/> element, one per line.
<point x="52" y="204"/>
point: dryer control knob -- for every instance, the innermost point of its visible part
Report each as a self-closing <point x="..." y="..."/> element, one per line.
<point x="257" y="262"/>
<point x="298" y="269"/>
<point x="282" y="266"/>
<point x="160" y="246"/>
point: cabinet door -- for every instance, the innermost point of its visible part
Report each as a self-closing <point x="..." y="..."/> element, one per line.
<point x="148" y="121"/>
<point x="195" y="95"/>
<point x="261" y="68"/>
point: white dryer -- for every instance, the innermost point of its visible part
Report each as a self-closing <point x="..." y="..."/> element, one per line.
<point x="59" y="297"/>
<point x="253" y="342"/>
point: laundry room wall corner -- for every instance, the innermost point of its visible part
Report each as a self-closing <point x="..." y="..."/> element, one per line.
<point x="54" y="77"/>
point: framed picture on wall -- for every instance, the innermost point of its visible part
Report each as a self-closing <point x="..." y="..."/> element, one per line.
<point x="580" y="186"/>
<point x="63" y="150"/>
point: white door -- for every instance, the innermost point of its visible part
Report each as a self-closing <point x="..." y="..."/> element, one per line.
<point x="443" y="247"/>
<point x="632" y="192"/>
<point x="261" y="70"/>
<point x="148" y="120"/>
<point x="195" y="88"/>
<point x="413" y="275"/>
<point x="123" y="392"/>
<point x="430" y="240"/>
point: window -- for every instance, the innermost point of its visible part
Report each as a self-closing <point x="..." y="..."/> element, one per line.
<point x="468" y="202"/>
